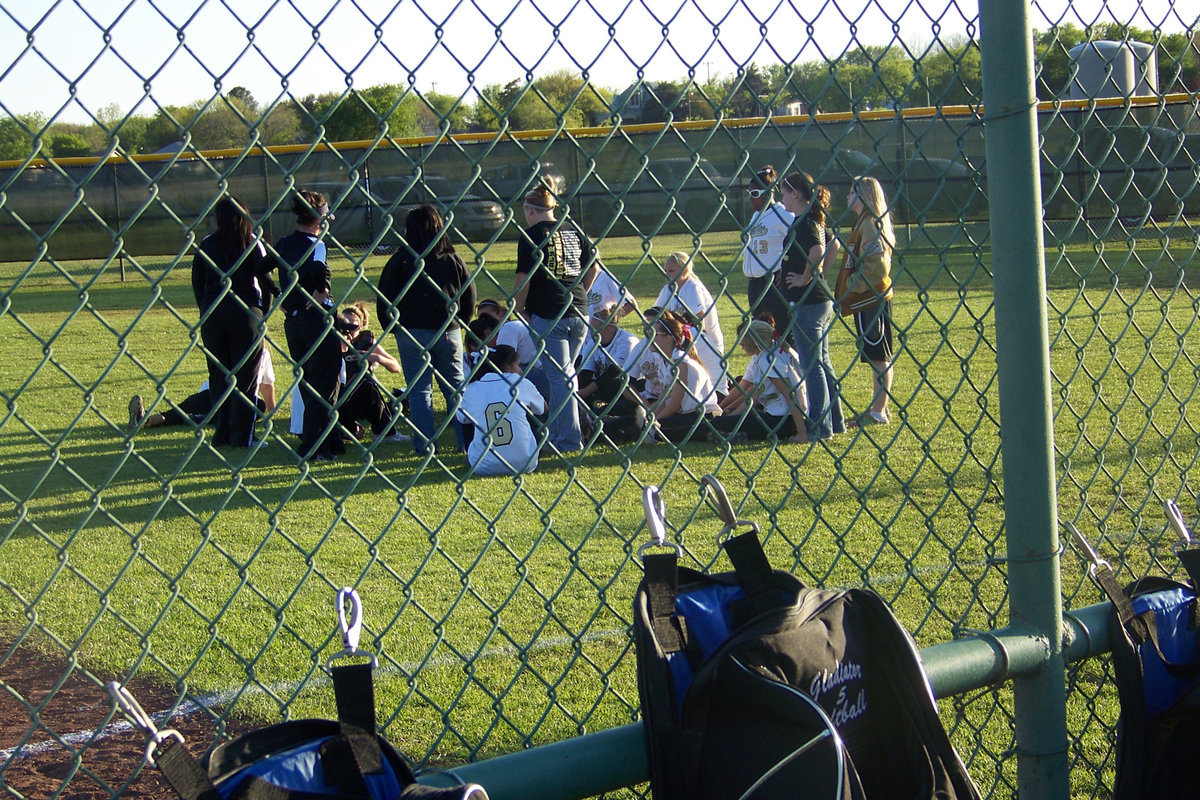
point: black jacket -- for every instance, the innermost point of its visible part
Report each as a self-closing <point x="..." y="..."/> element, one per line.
<point x="247" y="279"/>
<point x="422" y="294"/>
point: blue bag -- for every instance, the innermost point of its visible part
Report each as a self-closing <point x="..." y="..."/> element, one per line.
<point x="302" y="759"/>
<point x="1156" y="659"/>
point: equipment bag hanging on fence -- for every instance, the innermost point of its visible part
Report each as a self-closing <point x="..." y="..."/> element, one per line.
<point x="754" y="686"/>
<point x="302" y="759"/>
<point x="1156" y="658"/>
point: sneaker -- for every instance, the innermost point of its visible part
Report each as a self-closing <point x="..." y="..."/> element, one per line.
<point x="398" y="438"/>
<point x="869" y="418"/>
<point x="137" y="410"/>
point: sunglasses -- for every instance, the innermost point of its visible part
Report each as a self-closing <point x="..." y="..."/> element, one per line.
<point x="757" y="193"/>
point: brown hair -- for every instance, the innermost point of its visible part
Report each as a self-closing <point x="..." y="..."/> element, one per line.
<point x="306" y="205"/>
<point x="676" y="327"/>
<point x="812" y="192"/>
<point x="541" y="197"/>
<point x="766" y="176"/>
<point x="425" y="232"/>
<point x="234" y="233"/>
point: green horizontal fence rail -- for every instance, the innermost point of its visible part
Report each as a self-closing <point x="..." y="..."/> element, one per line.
<point x="1045" y="322"/>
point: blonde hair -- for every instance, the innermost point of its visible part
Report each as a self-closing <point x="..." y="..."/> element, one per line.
<point x="870" y="193"/>
<point x="760" y="334"/>
<point x="359" y="310"/>
<point x="541" y="197"/>
<point x="683" y="260"/>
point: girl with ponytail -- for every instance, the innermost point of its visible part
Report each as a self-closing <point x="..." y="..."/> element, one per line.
<point x="811" y="301"/>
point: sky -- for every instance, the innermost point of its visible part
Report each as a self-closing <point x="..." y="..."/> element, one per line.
<point x="71" y="58"/>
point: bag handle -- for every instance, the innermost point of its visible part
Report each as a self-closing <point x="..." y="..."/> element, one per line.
<point x="662" y="577"/>
<point x="1188" y="556"/>
<point x="180" y="768"/>
<point x="1137" y="626"/>
<point x="745" y="551"/>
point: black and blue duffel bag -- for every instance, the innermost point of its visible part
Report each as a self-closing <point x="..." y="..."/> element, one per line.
<point x="1156" y="661"/>
<point x="306" y="759"/>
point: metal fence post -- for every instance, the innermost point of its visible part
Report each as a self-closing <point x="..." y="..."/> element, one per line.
<point x="1023" y="362"/>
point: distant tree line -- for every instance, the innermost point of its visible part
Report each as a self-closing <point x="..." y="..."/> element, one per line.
<point x="945" y="73"/>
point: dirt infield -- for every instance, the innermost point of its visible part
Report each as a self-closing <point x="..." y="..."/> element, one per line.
<point x="92" y="767"/>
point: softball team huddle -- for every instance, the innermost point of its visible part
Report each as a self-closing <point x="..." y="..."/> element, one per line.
<point x="557" y="371"/>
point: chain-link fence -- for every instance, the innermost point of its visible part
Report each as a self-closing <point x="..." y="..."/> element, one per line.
<point x="135" y="546"/>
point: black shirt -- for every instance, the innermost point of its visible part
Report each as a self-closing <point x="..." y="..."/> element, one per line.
<point x="430" y="299"/>
<point x="304" y="255"/>
<point x="210" y="269"/>
<point x="554" y="255"/>
<point x="804" y="234"/>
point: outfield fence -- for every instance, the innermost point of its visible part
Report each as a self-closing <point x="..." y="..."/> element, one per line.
<point x="1046" y="326"/>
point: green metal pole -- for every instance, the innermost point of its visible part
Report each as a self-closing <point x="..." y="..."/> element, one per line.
<point x="1023" y="363"/>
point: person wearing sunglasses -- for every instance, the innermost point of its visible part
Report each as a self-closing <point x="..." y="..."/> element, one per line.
<point x="765" y="237"/>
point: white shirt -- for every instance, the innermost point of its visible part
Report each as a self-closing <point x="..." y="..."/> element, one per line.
<point x="648" y="364"/>
<point x="697" y="386"/>
<point x="516" y="334"/>
<point x="766" y="236"/>
<point x="769" y="364"/>
<point x="499" y="405"/>
<point x="694" y="297"/>
<point x="598" y="357"/>
<point x="605" y="290"/>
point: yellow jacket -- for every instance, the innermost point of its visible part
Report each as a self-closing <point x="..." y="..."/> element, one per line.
<point x="865" y="277"/>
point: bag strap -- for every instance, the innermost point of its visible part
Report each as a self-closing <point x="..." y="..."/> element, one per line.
<point x="184" y="773"/>
<point x="754" y="572"/>
<point x="662" y="586"/>
<point x="1190" y="558"/>
<point x="354" y="691"/>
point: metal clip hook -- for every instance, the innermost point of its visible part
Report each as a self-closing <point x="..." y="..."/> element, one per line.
<point x="718" y="500"/>
<point x="1175" y="518"/>
<point x="656" y="522"/>
<point x="1094" y="559"/>
<point x="352" y="629"/>
<point x="130" y="707"/>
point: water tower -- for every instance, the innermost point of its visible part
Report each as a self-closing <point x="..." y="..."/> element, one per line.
<point x="1113" y="69"/>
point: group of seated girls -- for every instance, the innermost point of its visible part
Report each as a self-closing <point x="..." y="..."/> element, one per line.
<point x="651" y="389"/>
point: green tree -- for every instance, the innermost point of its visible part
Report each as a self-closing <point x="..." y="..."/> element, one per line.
<point x="280" y="125"/>
<point x="167" y="126"/>
<point x="440" y="110"/>
<point x="21" y="135"/>
<point x="129" y="131"/>
<point x="384" y="110"/>
<point x="15" y="141"/>
<point x="560" y="97"/>
<point x="65" y="145"/>
<point x="813" y="83"/>
<point x="951" y="74"/>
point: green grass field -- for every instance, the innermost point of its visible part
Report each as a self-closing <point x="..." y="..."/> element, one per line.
<point x="500" y="606"/>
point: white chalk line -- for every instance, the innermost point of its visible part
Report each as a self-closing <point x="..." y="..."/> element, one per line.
<point x="209" y="701"/>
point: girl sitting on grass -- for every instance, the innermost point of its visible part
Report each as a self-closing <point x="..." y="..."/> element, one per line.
<point x="769" y="400"/>
<point x="683" y="390"/>
<point x="498" y="404"/>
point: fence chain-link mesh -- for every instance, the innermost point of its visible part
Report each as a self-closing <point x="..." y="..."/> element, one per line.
<point x="132" y="548"/>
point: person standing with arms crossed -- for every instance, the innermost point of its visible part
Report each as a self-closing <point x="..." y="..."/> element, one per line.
<point x="556" y="264"/>
<point x="763" y="254"/>
<point x="864" y="290"/>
